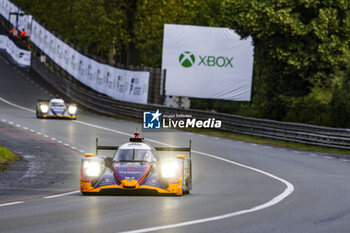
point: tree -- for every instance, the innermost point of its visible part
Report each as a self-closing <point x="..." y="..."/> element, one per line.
<point x="152" y="15"/>
<point x="298" y="46"/>
<point x="98" y="27"/>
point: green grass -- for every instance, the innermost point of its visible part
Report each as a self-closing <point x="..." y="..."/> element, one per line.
<point x="6" y="156"/>
<point x="247" y="138"/>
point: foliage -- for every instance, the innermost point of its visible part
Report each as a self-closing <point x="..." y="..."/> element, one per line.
<point x="152" y="15"/>
<point x="312" y="108"/>
<point x="96" y="26"/>
<point x="6" y="156"/>
<point x="340" y="102"/>
<point x="298" y="46"/>
<point x="124" y="28"/>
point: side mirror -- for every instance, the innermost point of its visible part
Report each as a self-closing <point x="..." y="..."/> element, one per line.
<point x="108" y="162"/>
<point x="89" y="155"/>
<point x="181" y="157"/>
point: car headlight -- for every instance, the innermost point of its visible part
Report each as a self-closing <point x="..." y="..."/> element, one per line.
<point x="92" y="168"/>
<point x="72" y="109"/>
<point x="44" y="108"/>
<point x="170" y="169"/>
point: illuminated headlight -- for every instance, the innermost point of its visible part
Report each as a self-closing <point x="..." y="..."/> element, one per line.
<point x="170" y="169"/>
<point x="72" y="109"/>
<point x="44" y="108"/>
<point x="92" y="168"/>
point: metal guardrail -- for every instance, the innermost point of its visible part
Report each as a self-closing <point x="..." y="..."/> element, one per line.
<point x="292" y="132"/>
<point x="90" y="99"/>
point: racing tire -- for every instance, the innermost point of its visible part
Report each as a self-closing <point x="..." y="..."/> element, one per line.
<point x="186" y="192"/>
<point x="184" y="182"/>
<point x="37" y="114"/>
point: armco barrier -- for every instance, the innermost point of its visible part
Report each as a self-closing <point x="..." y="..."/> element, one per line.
<point x="292" y="132"/>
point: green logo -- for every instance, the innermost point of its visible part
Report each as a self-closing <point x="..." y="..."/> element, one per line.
<point x="187" y="59"/>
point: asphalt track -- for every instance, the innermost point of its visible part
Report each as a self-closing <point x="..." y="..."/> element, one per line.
<point x="237" y="186"/>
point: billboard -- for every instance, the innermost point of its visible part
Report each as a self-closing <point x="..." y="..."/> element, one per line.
<point x="207" y="62"/>
<point x="119" y="84"/>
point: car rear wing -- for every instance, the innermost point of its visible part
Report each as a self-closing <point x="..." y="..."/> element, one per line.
<point x="183" y="149"/>
<point x="98" y="147"/>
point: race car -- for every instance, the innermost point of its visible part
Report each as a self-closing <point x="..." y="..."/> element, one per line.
<point x="137" y="168"/>
<point x="56" y="108"/>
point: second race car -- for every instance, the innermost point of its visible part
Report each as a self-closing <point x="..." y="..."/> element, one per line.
<point x="137" y="167"/>
<point x="56" y="108"/>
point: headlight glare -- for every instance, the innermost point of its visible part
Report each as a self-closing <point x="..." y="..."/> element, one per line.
<point x="44" y="108"/>
<point x="72" y="109"/>
<point x="92" y="168"/>
<point x="170" y="169"/>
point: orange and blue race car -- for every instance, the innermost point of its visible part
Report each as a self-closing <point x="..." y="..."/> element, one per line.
<point x="137" y="168"/>
<point x="56" y="108"/>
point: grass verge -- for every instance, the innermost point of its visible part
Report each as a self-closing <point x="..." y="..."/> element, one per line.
<point x="247" y="138"/>
<point x="6" y="156"/>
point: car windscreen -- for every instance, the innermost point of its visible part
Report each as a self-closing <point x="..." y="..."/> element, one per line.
<point x="134" y="155"/>
<point x="57" y="104"/>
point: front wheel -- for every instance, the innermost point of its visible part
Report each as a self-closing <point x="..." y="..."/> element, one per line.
<point x="186" y="192"/>
<point x="184" y="182"/>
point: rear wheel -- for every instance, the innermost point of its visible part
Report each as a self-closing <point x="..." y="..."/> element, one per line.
<point x="37" y="114"/>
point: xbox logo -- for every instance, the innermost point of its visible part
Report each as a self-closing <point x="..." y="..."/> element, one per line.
<point x="187" y="59"/>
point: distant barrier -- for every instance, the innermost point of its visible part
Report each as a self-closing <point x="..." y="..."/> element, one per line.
<point x="292" y="132"/>
<point x="90" y="99"/>
<point x="19" y="54"/>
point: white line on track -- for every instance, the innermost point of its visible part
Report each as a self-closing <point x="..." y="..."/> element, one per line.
<point x="11" y="203"/>
<point x="82" y="151"/>
<point x="32" y="130"/>
<point x="66" y="144"/>
<point x="38" y="133"/>
<point x="53" y="139"/>
<point x="59" y="141"/>
<point x="46" y="136"/>
<point x="73" y="147"/>
<point x="25" y="128"/>
<point x="61" y="194"/>
<point x="274" y="201"/>
<point x="345" y="160"/>
<point x="10" y="122"/>
<point x="18" y="125"/>
<point x="329" y="157"/>
<point x="17" y="106"/>
<point x="289" y="187"/>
